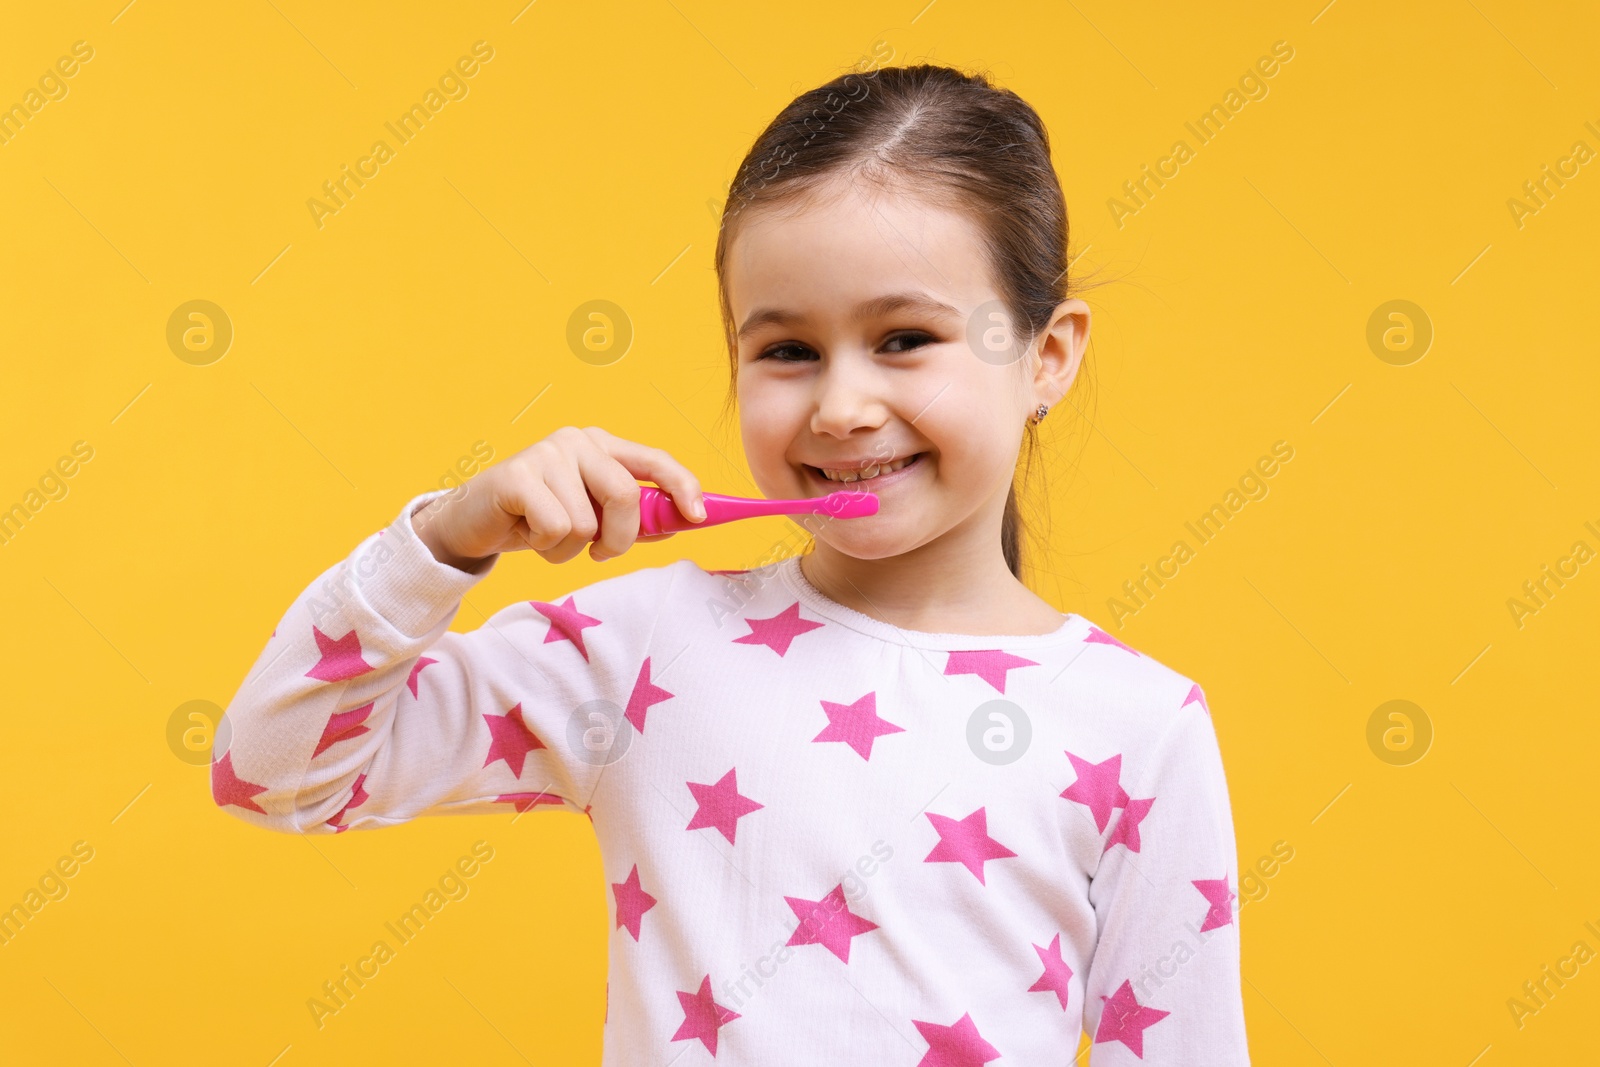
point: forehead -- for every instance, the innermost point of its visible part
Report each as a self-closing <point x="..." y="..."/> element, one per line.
<point x="849" y="240"/>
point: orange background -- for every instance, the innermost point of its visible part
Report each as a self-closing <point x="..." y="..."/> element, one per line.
<point x="425" y="323"/>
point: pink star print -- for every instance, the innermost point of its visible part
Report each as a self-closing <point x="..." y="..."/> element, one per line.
<point x="358" y="796"/>
<point x="954" y="1046"/>
<point x="1216" y="891"/>
<point x="1099" y="786"/>
<point x="991" y="665"/>
<point x="1097" y="636"/>
<point x="779" y="630"/>
<point x="1126" y="832"/>
<point x="965" y="841"/>
<point x="510" y="739"/>
<point x="1195" y="697"/>
<point x="645" y="694"/>
<point x="566" y="623"/>
<point x="341" y="658"/>
<point x="856" y="724"/>
<point x="1057" y="975"/>
<point x="229" y="788"/>
<point x="416" y="669"/>
<point x="632" y="902"/>
<point x="721" y="806"/>
<point x="342" y="726"/>
<point x="702" y="1016"/>
<point x="523" y="801"/>
<point x="827" y="922"/>
<point x="1124" y="1019"/>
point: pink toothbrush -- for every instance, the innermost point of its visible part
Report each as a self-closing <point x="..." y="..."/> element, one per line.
<point x="658" y="514"/>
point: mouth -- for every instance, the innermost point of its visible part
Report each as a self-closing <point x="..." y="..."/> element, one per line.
<point x="882" y="475"/>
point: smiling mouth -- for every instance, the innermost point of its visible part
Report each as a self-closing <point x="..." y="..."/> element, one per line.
<point x="854" y="478"/>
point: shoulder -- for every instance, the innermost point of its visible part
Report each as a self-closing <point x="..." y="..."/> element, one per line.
<point x="629" y="600"/>
<point x="636" y="584"/>
<point x="1158" y="718"/>
<point x="1143" y="690"/>
<point x="677" y="588"/>
<point x="730" y="583"/>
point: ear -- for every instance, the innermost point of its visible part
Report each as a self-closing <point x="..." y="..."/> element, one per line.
<point x="1060" y="350"/>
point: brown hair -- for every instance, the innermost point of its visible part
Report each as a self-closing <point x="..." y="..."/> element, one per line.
<point x="955" y="139"/>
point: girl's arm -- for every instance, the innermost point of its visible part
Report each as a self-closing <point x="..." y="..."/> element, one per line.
<point x="365" y="710"/>
<point x="1164" y="982"/>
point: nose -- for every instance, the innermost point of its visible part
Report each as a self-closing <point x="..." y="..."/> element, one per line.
<point x="849" y="397"/>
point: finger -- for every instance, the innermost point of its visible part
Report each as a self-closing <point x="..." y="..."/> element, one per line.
<point x="546" y="525"/>
<point x="614" y="489"/>
<point x="658" y="466"/>
<point x="567" y="485"/>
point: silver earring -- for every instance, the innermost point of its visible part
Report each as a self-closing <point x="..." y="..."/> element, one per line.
<point x="1038" y="415"/>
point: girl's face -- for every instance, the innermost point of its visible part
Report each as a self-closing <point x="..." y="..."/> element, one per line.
<point x="853" y="315"/>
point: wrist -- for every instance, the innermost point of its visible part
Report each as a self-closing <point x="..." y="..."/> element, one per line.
<point x="424" y="523"/>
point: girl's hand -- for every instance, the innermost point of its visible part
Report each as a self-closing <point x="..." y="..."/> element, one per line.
<point x="540" y="498"/>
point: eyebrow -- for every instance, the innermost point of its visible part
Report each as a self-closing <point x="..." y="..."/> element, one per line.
<point x="878" y="306"/>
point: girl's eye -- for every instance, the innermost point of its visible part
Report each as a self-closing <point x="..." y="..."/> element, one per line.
<point x="913" y="340"/>
<point x="801" y="353"/>
<point x="776" y="351"/>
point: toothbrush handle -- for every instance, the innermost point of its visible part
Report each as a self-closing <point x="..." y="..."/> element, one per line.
<point x="657" y="513"/>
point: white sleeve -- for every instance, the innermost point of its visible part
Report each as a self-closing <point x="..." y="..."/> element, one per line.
<point x="1163" y="986"/>
<point x="365" y="710"/>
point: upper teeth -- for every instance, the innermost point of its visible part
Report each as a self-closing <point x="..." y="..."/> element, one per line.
<point x="873" y="471"/>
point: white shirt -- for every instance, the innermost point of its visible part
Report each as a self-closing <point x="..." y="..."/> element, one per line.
<point x="828" y="840"/>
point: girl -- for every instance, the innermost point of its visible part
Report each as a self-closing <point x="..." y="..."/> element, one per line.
<point x="873" y="803"/>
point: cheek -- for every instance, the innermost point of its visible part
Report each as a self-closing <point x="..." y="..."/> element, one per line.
<point x="967" y="435"/>
<point x="962" y="468"/>
<point x="977" y="436"/>
<point x="770" y="417"/>
<point x="976" y="459"/>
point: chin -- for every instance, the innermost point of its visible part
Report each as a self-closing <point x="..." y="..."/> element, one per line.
<point x="861" y="544"/>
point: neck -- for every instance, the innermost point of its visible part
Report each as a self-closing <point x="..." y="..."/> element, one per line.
<point x="956" y="583"/>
